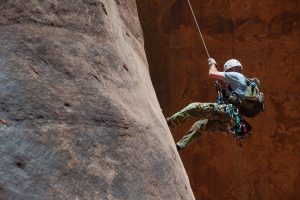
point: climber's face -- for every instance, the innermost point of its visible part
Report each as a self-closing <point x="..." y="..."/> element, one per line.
<point x="234" y="69"/>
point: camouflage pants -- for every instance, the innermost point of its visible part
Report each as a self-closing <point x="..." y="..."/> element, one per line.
<point x="213" y="117"/>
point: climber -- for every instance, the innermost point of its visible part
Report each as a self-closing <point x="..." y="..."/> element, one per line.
<point x="219" y="116"/>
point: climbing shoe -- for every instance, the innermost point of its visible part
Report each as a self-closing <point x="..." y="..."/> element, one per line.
<point x="178" y="147"/>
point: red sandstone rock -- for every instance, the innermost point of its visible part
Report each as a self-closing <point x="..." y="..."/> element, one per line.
<point x="265" y="37"/>
<point x="82" y="120"/>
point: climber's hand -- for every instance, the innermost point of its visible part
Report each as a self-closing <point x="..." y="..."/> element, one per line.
<point x="211" y="61"/>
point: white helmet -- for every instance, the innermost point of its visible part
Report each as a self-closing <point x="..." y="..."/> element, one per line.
<point x="232" y="63"/>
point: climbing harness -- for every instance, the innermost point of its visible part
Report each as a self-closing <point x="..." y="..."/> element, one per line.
<point x="241" y="130"/>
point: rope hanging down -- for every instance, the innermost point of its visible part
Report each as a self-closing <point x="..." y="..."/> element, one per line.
<point x="198" y="27"/>
<point x="237" y="162"/>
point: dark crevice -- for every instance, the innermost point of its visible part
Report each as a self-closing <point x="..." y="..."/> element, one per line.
<point x="67" y="104"/>
<point x="125" y="67"/>
<point x="34" y="70"/>
<point x="69" y="75"/>
<point x="103" y="7"/>
<point x="96" y="77"/>
<point x="20" y="163"/>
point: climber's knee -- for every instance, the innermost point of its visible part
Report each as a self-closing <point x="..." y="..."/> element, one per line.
<point x="193" y="109"/>
<point x="193" y="105"/>
<point x="199" y="125"/>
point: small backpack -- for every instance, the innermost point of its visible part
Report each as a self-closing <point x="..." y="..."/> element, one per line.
<point x="253" y="101"/>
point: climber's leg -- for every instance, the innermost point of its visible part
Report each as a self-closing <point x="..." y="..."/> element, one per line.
<point x="193" y="133"/>
<point x="201" y="110"/>
<point x="202" y="125"/>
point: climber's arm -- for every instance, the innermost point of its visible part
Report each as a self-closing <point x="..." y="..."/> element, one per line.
<point x="213" y="71"/>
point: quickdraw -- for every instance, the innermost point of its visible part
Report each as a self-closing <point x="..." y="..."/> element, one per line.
<point x="233" y="113"/>
<point x="242" y="129"/>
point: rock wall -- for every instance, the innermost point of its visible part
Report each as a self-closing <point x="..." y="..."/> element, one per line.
<point x="79" y="115"/>
<point x="264" y="36"/>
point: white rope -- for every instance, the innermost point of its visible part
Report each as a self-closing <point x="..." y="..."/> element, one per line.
<point x="198" y="27"/>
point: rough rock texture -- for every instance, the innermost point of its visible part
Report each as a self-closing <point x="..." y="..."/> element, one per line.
<point x="79" y="115"/>
<point x="265" y="37"/>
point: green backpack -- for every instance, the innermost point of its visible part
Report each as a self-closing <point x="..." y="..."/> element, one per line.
<point x="253" y="102"/>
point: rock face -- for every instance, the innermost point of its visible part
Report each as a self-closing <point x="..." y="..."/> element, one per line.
<point x="265" y="37"/>
<point x="79" y="115"/>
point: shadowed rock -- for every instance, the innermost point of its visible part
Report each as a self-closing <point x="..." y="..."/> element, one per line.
<point x="264" y="36"/>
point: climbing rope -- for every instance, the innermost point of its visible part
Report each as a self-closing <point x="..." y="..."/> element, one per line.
<point x="237" y="151"/>
<point x="198" y="27"/>
<point x="230" y="111"/>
